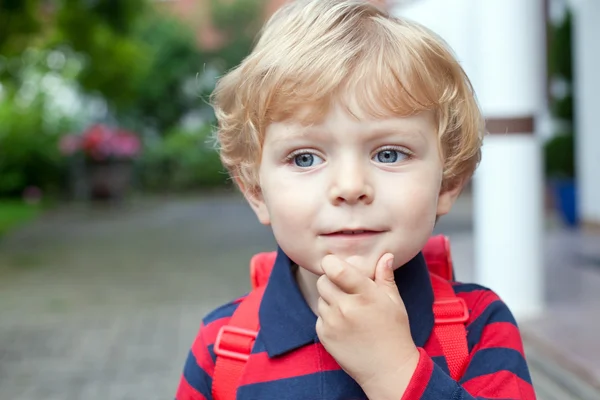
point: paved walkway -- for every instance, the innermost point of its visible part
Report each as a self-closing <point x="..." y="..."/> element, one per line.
<point x="103" y="303"/>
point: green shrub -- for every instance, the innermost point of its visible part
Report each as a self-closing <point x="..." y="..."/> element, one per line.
<point x="15" y="213"/>
<point x="183" y="160"/>
<point x="29" y="154"/>
<point x="560" y="156"/>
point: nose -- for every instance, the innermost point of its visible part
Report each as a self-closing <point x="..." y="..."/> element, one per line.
<point x="350" y="184"/>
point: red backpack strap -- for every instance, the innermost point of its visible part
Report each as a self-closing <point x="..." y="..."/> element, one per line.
<point x="261" y="265"/>
<point x="234" y="344"/>
<point x="235" y="340"/>
<point x="451" y="314"/>
<point x="438" y="257"/>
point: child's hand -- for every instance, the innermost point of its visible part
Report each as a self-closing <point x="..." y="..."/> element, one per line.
<point x="363" y="324"/>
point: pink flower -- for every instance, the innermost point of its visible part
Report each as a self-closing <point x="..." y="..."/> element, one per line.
<point x="101" y="142"/>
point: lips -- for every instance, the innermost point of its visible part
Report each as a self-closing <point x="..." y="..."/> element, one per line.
<point x="349" y="232"/>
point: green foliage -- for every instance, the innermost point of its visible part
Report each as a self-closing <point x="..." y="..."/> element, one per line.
<point x="14" y="213"/>
<point x="18" y="24"/>
<point x="145" y="66"/>
<point x="29" y="154"/>
<point x="560" y="49"/>
<point x="102" y="31"/>
<point x="560" y="150"/>
<point x="165" y="90"/>
<point x="239" y="21"/>
<point x="560" y="65"/>
<point x="181" y="161"/>
<point x="559" y="154"/>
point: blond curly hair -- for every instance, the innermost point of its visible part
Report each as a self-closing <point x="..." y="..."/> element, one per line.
<point x="315" y="52"/>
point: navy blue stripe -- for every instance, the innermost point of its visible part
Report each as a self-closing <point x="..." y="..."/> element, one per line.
<point x="468" y="287"/>
<point x="197" y="377"/>
<point x="305" y="387"/>
<point x="211" y="351"/>
<point x="441" y="386"/>
<point x="345" y="387"/>
<point x="491" y="361"/>
<point x="259" y="344"/>
<point x="302" y="387"/>
<point x="442" y="363"/>
<point x="496" y="311"/>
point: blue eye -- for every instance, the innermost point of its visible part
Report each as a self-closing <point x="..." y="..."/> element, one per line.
<point x="389" y="156"/>
<point x="305" y="160"/>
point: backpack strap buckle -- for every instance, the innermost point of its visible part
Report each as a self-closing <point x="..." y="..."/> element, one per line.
<point x="234" y="343"/>
<point x="450" y="311"/>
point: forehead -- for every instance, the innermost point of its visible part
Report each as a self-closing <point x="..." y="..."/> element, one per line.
<point x="342" y="122"/>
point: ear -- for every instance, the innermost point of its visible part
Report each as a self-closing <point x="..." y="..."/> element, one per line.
<point x="256" y="200"/>
<point x="448" y="196"/>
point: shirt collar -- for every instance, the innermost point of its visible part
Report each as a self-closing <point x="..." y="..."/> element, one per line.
<point x="287" y="322"/>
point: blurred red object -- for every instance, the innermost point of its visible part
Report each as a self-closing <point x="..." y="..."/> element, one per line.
<point x="102" y="143"/>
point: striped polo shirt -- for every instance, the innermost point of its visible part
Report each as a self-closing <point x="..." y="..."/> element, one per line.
<point x="289" y="363"/>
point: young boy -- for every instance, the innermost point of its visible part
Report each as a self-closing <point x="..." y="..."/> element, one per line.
<point x="350" y="132"/>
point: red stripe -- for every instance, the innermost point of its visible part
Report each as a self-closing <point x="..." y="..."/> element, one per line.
<point x="304" y="361"/>
<point x="433" y="346"/>
<point x="500" y="334"/>
<point x="186" y="392"/>
<point x="211" y="330"/>
<point x="200" y="352"/>
<point x="420" y="378"/>
<point x="500" y="385"/>
<point x="478" y="301"/>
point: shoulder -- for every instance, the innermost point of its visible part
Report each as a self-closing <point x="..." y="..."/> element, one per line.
<point x="215" y="319"/>
<point x="488" y="313"/>
<point x="223" y="311"/>
<point x="200" y="363"/>
<point x="479" y="299"/>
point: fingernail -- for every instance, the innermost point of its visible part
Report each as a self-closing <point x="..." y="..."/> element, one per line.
<point x="390" y="262"/>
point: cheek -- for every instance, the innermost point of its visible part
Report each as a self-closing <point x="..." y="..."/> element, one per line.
<point x="291" y="201"/>
<point x="413" y="197"/>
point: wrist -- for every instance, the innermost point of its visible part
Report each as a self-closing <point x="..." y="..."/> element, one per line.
<point x="392" y="383"/>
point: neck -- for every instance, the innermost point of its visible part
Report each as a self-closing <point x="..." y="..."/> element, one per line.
<point x="307" y="282"/>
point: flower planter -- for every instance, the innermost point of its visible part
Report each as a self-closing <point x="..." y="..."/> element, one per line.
<point x="109" y="180"/>
<point x="102" y="161"/>
<point x="565" y="200"/>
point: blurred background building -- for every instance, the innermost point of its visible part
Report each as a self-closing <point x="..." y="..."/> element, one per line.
<point x="119" y="228"/>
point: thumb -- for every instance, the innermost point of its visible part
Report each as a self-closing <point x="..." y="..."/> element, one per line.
<point x="384" y="275"/>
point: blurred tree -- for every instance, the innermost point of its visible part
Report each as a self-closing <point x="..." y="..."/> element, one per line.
<point x="64" y="63"/>
<point x="239" y="21"/>
<point x="179" y="75"/>
<point x="560" y="149"/>
<point x="164" y="89"/>
<point x="143" y="63"/>
<point x="29" y="155"/>
<point x="19" y="22"/>
<point x="103" y="31"/>
<point x="560" y="66"/>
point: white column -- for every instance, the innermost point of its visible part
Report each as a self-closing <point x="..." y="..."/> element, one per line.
<point x="586" y="37"/>
<point x="508" y="39"/>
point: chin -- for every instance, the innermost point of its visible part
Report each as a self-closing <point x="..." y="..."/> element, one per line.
<point x="365" y="264"/>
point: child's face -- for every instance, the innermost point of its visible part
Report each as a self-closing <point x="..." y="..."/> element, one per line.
<point x="356" y="188"/>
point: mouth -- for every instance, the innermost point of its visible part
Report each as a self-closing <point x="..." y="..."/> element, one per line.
<point x="353" y="233"/>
